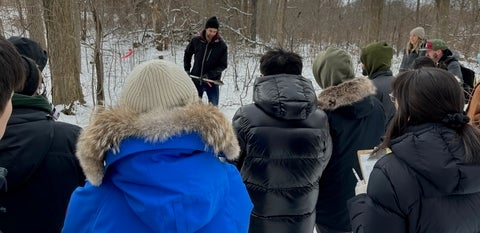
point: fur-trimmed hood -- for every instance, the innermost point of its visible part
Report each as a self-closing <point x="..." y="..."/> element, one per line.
<point x="110" y="126"/>
<point x="345" y="93"/>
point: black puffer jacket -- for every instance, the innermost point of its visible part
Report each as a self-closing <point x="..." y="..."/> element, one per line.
<point x="285" y="146"/>
<point x="210" y="58"/>
<point x="39" y="154"/>
<point x="422" y="187"/>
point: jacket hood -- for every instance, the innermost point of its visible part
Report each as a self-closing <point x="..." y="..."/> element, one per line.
<point x="285" y="96"/>
<point x="436" y="153"/>
<point x="109" y="127"/>
<point x="332" y="67"/>
<point x="376" y="56"/>
<point x="346" y="93"/>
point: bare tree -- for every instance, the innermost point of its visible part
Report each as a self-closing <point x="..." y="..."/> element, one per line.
<point x="253" y="20"/>
<point x="161" y="40"/>
<point x="280" y="22"/>
<point x="36" y="27"/>
<point x="442" y="13"/>
<point x="21" y="16"/>
<point x="97" y="14"/>
<point x="375" y="11"/>
<point x="60" y="16"/>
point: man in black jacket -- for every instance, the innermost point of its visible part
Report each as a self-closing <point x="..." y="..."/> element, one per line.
<point x="39" y="154"/>
<point x="210" y="59"/>
<point x="285" y="146"/>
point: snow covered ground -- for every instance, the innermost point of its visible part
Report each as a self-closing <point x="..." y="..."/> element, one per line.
<point x="236" y="91"/>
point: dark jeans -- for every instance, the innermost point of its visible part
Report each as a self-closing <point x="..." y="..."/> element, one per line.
<point x="212" y="90"/>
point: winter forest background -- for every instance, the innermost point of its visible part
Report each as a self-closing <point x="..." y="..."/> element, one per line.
<point x="94" y="44"/>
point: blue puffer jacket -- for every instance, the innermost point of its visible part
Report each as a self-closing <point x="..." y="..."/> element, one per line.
<point x="164" y="179"/>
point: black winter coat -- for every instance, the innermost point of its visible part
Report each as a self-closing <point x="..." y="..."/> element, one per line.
<point x="210" y="58"/>
<point x="356" y="122"/>
<point x="424" y="186"/>
<point x="285" y="146"/>
<point x="450" y="63"/>
<point x="382" y="80"/>
<point x="43" y="171"/>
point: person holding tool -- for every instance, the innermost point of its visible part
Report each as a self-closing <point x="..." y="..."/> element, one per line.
<point x="210" y="60"/>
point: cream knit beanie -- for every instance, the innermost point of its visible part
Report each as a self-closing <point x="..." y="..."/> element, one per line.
<point x="157" y="84"/>
<point x="418" y="31"/>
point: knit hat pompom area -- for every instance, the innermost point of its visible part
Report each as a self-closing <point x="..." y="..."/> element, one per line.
<point x="212" y="22"/>
<point x="157" y="84"/>
<point x="418" y="31"/>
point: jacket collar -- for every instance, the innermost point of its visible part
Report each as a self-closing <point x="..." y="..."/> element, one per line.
<point x="109" y="127"/>
<point x="345" y="93"/>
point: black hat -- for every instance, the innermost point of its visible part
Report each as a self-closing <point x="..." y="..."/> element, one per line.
<point x="31" y="49"/>
<point x="212" y="23"/>
<point x="32" y="77"/>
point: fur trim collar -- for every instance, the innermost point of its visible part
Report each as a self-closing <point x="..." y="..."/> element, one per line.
<point x="110" y="126"/>
<point x="345" y="93"/>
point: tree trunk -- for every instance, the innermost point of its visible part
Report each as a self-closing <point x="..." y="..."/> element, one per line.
<point x="253" y="21"/>
<point x="375" y="13"/>
<point x="36" y="28"/>
<point x="442" y="13"/>
<point x="21" y="17"/>
<point x="97" y="51"/>
<point x="157" y="21"/>
<point x="417" y="13"/>
<point x="282" y="6"/>
<point x="2" y="30"/>
<point x="63" y="38"/>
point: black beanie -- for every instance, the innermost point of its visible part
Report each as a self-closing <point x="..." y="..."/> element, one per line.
<point x="32" y="77"/>
<point x="31" y="49"/>
<point x="212" y="23"/>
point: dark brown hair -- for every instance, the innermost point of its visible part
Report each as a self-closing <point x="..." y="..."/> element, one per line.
<point x="279" y="61"/>
<point x="431" y="95"/>
<point x="12" y="75"/>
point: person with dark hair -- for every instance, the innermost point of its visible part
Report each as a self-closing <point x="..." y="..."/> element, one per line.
<point x="12" y="77"/>
<point x="39" y="154"/>
<point x="210" y="60"/>
<point x="416" y="42"/>
<point x="285" y="146"/>
<point x="423" y="62"/>
<point x="376" y="59"/>
<point x="155" y="162"/>
<point x="357" y="122"/>
<point x="429" y="183"/>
